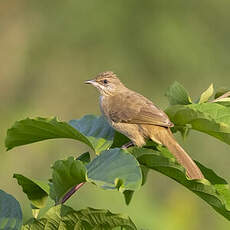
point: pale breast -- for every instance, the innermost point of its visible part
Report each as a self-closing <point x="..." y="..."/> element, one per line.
<point x="103" y="108"/>
<point x="132" y="131"/>
<point x="101" y="105"/>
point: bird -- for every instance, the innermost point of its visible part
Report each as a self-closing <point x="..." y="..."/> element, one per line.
<point x="136" y="117"/>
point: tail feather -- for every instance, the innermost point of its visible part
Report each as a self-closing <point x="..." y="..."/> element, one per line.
<point x="165" y="137"/>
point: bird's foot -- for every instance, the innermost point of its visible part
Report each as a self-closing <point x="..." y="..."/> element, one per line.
<point x="127" y="145"/>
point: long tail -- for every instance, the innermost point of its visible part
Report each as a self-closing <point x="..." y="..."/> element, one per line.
<point x="164" y="136"/>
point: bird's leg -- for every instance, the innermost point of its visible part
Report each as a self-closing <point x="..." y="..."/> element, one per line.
<point x="127" y="145"/>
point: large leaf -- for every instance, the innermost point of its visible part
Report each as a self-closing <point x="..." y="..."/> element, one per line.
<point x="37" y="191"/>
<point x="214" y="189"/>
<point x="177" y="95"/>
<point x="97" y="130"/>
<point x="10" y="212"/>
<point x="115" y="168"/>
<point x="210" y="118"/>
<point x="65" y="218"/>
<point x="66" y="174"/>
<point x="91" y="130"/>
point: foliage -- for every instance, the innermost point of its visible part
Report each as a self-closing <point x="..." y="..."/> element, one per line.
<point x="87" y="130"/>
<point x="10" y="212"/>
<point x="66" y="174"/>
<point x="36" y="191"/>
<point x="64" y="217"/>
<point x="119" y="169"/>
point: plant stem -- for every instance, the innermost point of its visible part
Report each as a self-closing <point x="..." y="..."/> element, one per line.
<point x="221" y="97"/>
<point x="127" y="145"/>
<point x="71" y="192"/>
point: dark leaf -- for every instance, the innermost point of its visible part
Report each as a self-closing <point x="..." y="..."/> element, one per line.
<point x="37" y="191"/>
<point x="84" y="158"/>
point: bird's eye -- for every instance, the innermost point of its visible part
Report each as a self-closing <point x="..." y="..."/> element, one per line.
<point x="105" y="81"/>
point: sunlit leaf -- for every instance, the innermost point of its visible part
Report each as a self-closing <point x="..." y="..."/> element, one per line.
<point x="91" y="130"/>
<point x="65" y="218"/>
<point x="206" y="94"/>
<point x="210" y="118"/>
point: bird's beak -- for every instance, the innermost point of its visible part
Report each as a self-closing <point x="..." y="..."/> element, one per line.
<point x="92" y="82"/>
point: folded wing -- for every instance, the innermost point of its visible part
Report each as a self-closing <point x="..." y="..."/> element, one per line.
<point x="134" y="108"/>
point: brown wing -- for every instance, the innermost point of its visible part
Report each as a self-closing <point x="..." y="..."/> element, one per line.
<point x="134" y="108"/>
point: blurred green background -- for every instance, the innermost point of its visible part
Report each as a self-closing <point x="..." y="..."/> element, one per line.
<point x="48" y="49"/>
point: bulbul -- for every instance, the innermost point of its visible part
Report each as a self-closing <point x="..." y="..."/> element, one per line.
<point x="139" y="119"/>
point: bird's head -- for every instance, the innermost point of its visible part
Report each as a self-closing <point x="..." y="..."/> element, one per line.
<point x="107" y="83"/>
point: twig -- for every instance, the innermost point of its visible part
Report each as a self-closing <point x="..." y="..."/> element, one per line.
<point x="71" y="192"/>
<point x="221" y="97"/>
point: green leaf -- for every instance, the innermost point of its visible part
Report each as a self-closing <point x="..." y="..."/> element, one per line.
<point x="65" y="218"/>
<point x="177" y="95"/>
<point x="119" y="140"/>
<point x="10" y="212"/>
<point x="128" y="194"/>
<point x="144" y="170"/>
<point x="184" y="130"/>
<point x="206" y="94"/>
<point x="91" y="130"/>
<point x="84" y="158"/>
<point x="37" y="191"/>
<point x="97" y="130"/>
<point x="115" y="168"/>
<point x="210" y="118"/>
<point x="214" y="189"/>
<point x="66" y="174"/>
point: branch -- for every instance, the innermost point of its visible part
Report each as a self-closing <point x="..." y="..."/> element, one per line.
<point x="71" y="192"/>
<point x="222" y="96"/>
